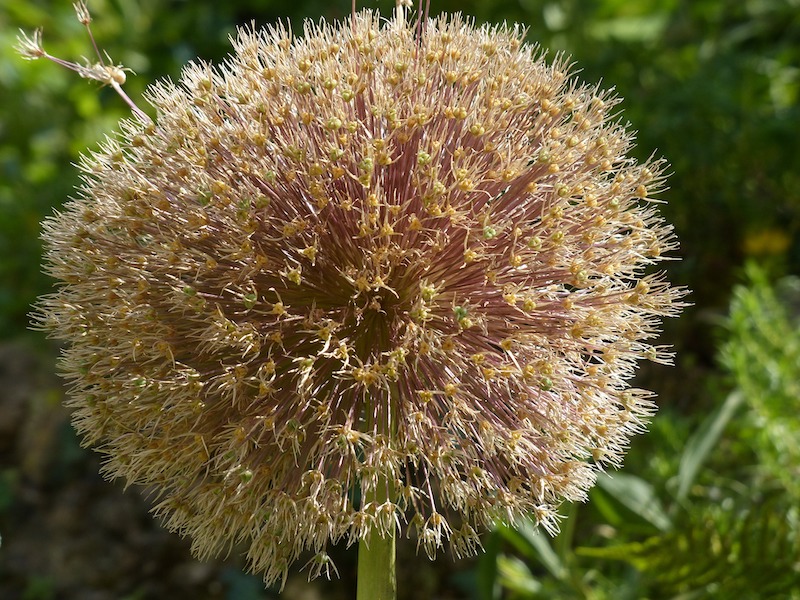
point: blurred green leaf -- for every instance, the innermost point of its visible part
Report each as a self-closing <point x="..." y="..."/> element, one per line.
<point x="39" y="588"/>
<point x="703" y="441"/>
<point x="533" y="543"/>
<point x="637" y="495"/>
<point x="630" y="29"/>
<point x="8" y="484"/>
<point x="515" y="575"/>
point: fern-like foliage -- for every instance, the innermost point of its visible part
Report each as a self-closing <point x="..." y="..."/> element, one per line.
<point x="763" y="355"/>
<point x="750" y="552"/>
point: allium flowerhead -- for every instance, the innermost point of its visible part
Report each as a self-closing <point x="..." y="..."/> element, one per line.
<point x="384" y="260"/>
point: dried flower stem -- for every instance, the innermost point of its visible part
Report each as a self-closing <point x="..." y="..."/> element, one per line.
<point x="113" y="75"/>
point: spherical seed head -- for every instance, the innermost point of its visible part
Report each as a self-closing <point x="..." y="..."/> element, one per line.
<point x="365" y="263"/>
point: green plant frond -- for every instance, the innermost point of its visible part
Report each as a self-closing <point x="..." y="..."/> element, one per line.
<point x="750" y="552"/>
<point x="763" y="355"/>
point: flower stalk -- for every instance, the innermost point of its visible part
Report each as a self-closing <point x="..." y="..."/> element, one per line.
<point x="377" y="573"/>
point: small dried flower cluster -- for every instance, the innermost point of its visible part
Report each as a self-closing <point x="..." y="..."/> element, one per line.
<point x="30" y="48"/>
<point x="384" y="260"/>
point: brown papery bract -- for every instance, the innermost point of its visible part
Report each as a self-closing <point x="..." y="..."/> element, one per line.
<point x="375" y="255"/>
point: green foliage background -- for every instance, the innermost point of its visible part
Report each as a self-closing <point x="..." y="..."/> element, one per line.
<point x="708" y="501"/>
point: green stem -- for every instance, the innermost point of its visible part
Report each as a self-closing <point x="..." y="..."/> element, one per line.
<point x="377" y="579"/>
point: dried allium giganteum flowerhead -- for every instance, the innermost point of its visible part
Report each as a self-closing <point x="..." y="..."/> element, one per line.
<point x="385" y="260"/>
